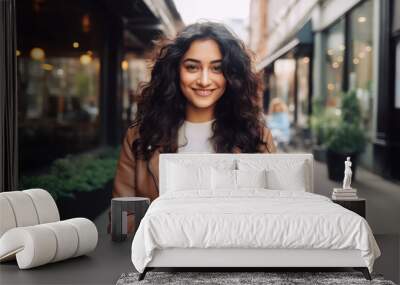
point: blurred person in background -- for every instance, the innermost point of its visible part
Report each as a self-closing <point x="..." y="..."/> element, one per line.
<point x="278" y="122"/>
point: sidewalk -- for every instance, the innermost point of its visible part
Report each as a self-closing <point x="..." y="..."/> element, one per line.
<point x="383" y="197"/>
<point x="382" y="213"/>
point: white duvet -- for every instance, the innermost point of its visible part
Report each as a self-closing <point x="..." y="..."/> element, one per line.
<point x="253" y="218"/>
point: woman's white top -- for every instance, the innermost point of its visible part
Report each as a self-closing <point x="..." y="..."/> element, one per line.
<point x="195" y="137"/>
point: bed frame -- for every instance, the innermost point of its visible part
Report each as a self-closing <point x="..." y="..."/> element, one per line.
<point x="246" y="258"/>
<point x="243" y="259"/>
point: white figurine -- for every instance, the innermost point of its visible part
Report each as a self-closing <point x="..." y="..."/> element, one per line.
<point x="347" y="174"/>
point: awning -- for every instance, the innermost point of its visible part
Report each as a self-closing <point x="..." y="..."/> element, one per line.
<point x="279" y="53"/>
<point x="303" y="37"/>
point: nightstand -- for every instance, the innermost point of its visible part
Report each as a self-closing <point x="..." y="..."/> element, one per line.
<point x="356" y="205"/>
<point x="127" y="211"/>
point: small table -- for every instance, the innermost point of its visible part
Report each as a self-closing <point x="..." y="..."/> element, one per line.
<point x="121" y="208"/>
<point x="357" y="205"/>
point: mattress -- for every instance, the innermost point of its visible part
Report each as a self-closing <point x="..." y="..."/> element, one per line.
<point x="252" y="219"/>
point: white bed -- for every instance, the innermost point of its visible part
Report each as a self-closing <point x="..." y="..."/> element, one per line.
<point x="247" y="210"/>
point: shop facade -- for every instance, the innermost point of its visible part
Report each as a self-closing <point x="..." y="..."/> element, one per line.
<point x="77" y="64"/>
<point x="354" y="54"/>
<point x="354" y="44"/>
<point x="287" y="75"/>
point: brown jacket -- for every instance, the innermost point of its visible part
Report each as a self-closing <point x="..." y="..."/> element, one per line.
<point x="136" y="177"/>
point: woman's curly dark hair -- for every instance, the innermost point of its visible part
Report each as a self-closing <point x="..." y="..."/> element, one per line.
<point x="161" y="111"/>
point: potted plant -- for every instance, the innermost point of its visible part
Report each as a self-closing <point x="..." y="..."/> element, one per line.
<point x="323" y="122"/>
<point x="346" y="139"/>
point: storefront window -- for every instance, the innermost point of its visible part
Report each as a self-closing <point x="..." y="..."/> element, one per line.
<point x="334" y="61"/>
<point x="135" y="72"/>
<point x="58" y="75"/>
<point x="361" y="58"/>
<point x="58" y="106"/>
<point x="284" y="71"/>
<point x="303" y="73"/>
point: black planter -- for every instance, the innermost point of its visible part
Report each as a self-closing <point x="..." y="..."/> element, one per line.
<point x="85" y="204"/>
<point x="319" y="153"/>
<point x="335" y="163"/>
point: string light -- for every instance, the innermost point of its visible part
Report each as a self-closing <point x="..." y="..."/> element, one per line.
<point x="47" y="66"/>
<point x="362" y="19"/>
<point x="37" y="54"/>
<point x="85" y="59"/>
<point x="124" y="65"/>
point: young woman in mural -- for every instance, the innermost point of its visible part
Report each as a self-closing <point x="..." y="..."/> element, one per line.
<point x="202" y="97"/>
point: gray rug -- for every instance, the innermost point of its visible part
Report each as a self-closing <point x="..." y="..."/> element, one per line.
<point x="229" y="278"/>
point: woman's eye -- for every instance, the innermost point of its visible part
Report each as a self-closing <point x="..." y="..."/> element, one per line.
<point x="191" y="67"/>
<point x="217" y="68"/>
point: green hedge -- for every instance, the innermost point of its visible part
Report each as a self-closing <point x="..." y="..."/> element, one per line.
<point x="74" y="173"/>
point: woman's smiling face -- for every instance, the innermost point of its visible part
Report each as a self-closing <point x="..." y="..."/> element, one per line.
<point x="201" y="79"/>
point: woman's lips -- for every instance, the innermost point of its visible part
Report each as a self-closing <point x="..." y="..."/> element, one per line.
<point x="203" y="92"/>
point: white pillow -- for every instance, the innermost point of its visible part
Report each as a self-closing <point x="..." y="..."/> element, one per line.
<point x="277" y="180"/>
<point x="224" y="179"/>
<point x="251" y="178"/>
<point x="181" y="177"/>
<point x="282" y="174"/>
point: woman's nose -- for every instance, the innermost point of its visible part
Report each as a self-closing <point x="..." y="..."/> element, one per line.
<point x="205" y="78"/>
